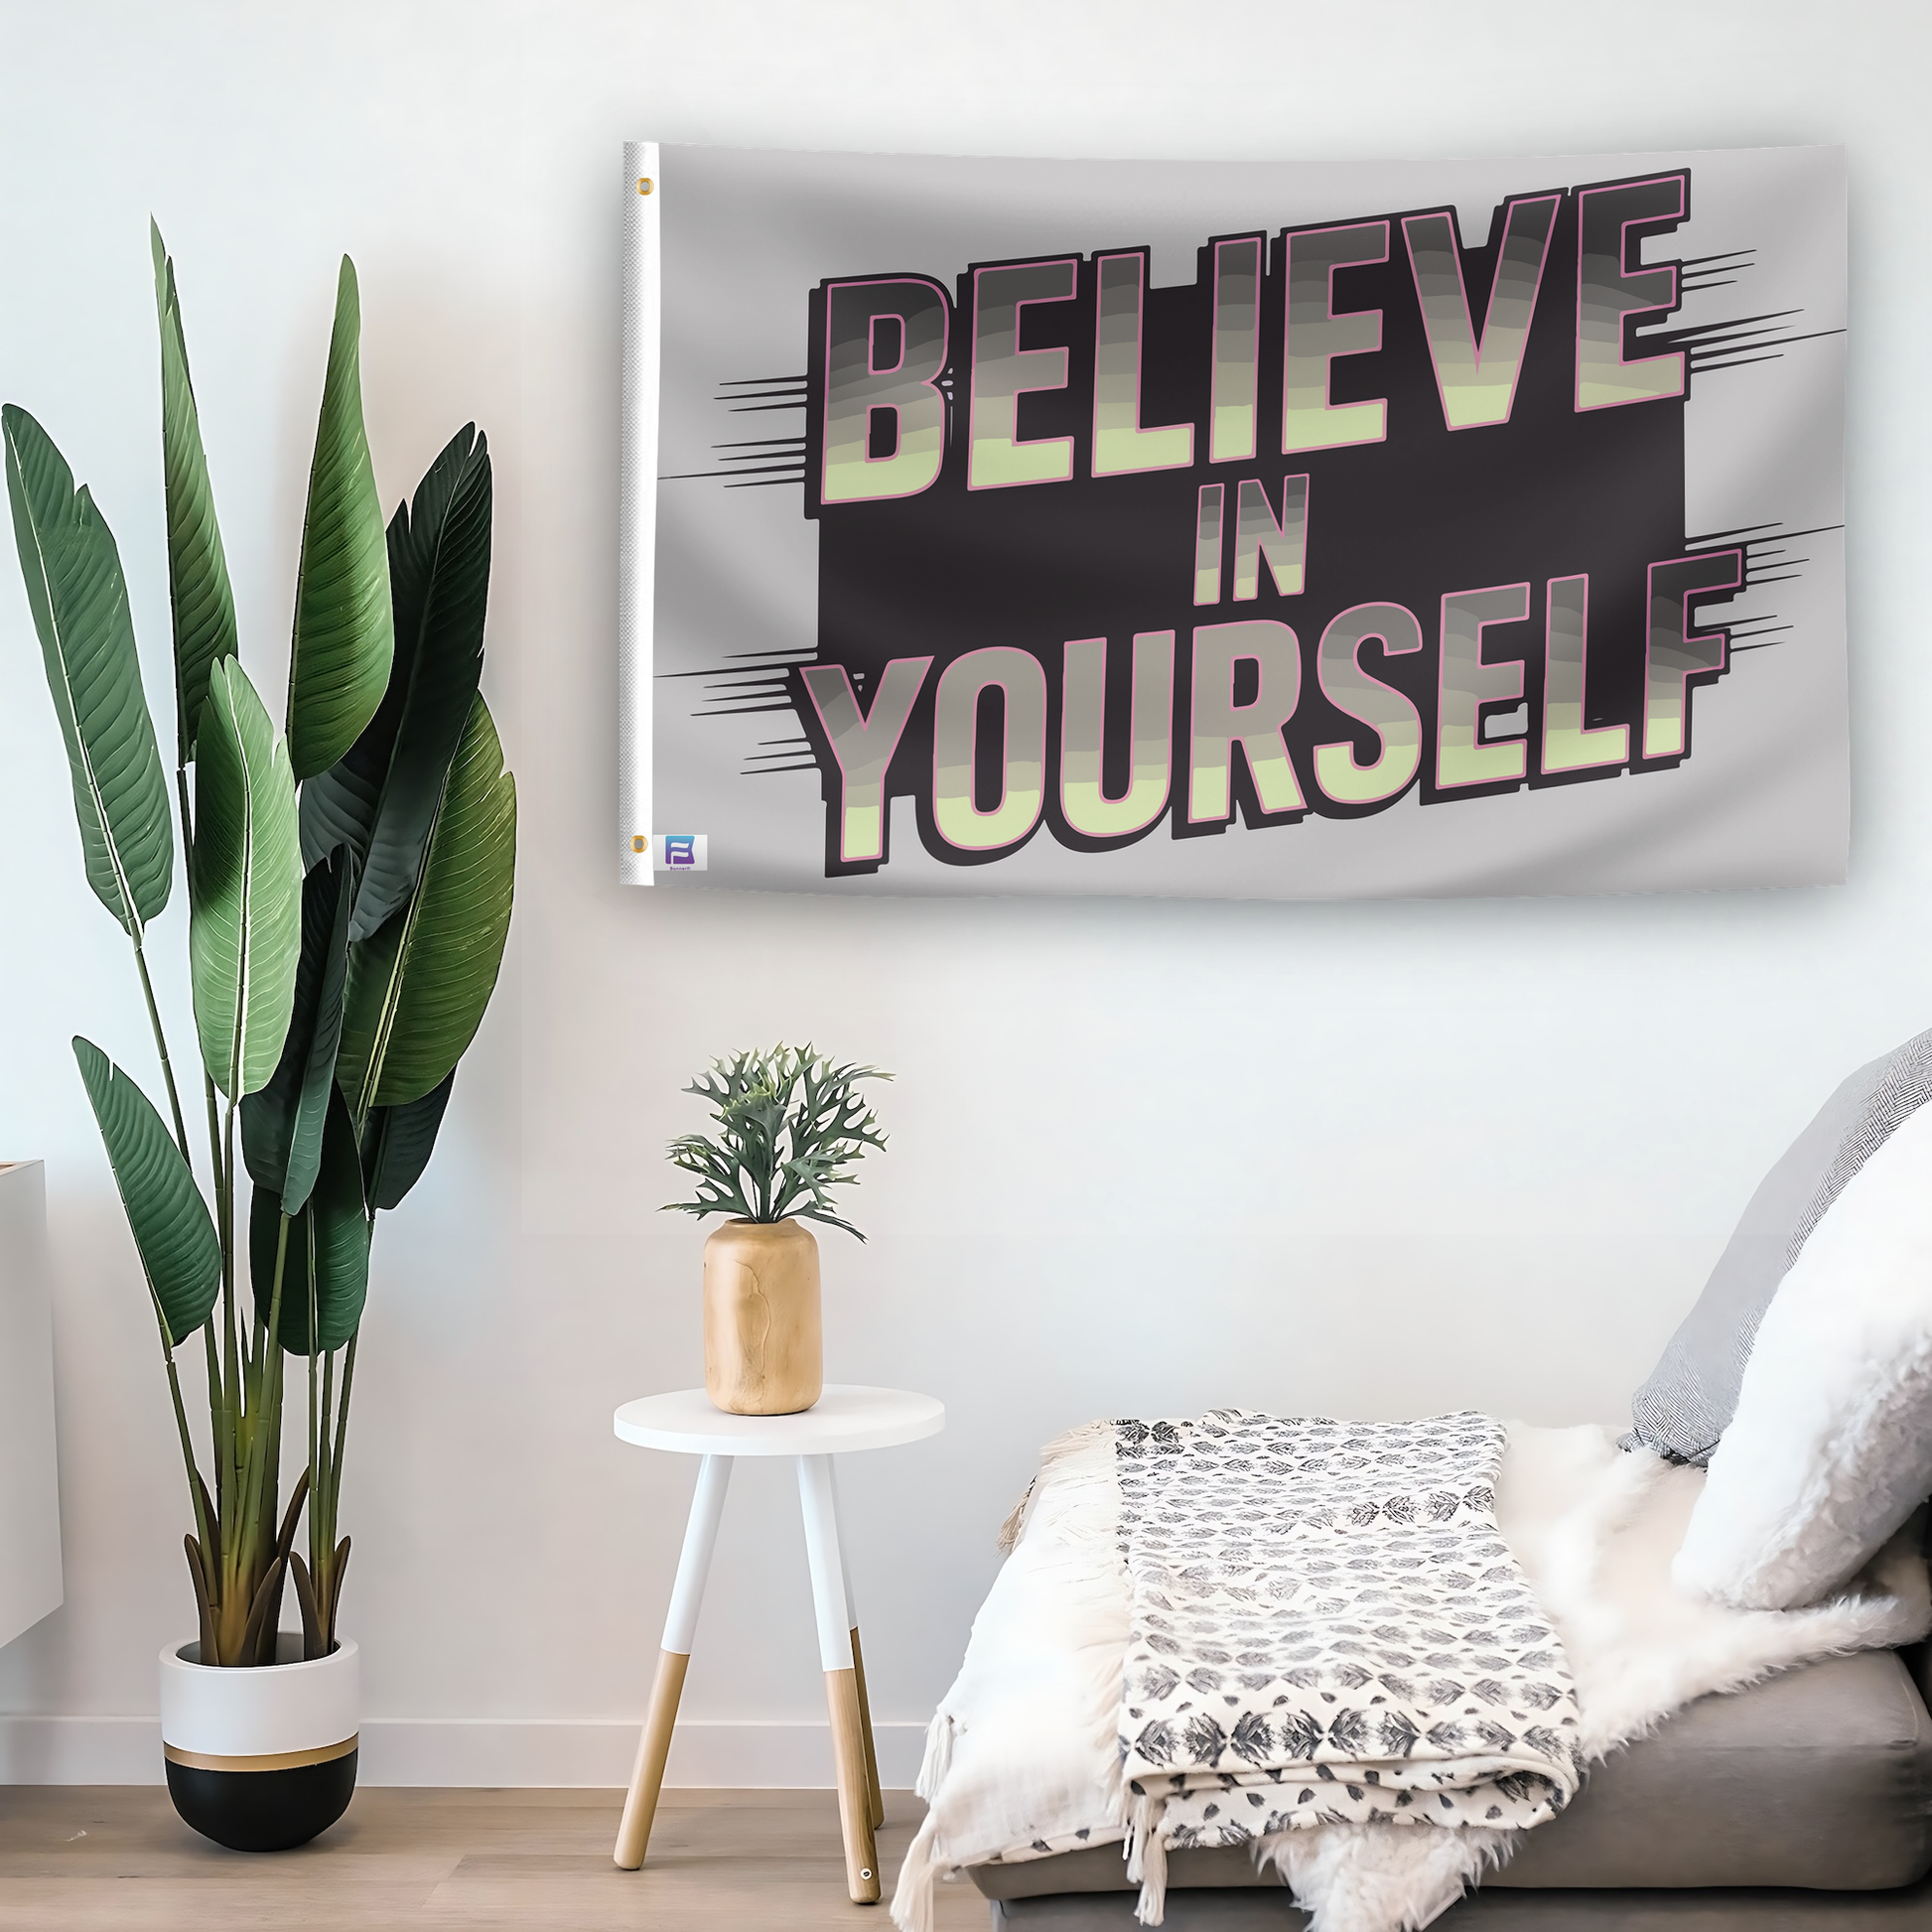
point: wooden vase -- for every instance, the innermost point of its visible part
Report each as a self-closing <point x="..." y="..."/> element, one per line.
<point x="764" y="1344"/>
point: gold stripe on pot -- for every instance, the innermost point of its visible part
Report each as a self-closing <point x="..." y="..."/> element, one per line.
<point x="265" y="1761"/>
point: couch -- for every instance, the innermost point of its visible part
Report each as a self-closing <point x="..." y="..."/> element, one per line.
<point x="1800" y="1805"/>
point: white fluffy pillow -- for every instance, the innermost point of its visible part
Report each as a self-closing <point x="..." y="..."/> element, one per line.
<point x="1831" y="1447"/>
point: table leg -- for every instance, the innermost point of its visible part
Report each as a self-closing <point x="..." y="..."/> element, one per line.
<point x="820" y="1510"/>
<point x="876" y="1796"/>
<point x="680" y="1625"/>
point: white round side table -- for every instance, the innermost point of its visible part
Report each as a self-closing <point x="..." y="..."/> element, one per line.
<point x="843" y="1419"/>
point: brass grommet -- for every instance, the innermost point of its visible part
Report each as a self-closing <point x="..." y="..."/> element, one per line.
<point x="643" y="184"/>
<point x="640" y="842"/>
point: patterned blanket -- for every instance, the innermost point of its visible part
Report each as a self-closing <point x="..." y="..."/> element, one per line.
<point x="1024" y="1755"/>
<point x="1327" y="1627"/>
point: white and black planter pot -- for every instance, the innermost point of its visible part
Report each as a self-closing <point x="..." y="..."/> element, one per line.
<point x="260" y="1760"/>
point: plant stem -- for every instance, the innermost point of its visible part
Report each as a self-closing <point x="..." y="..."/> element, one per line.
<point x="218" y="1433"/>
<point x="231" y="1349"/>
<point x="318" y="1435"/>
<point x="335" y="1490"/>
<point x="160" y="1048"/>
<point x="220" y="1397"/>
<point x="192" y="1469"/>
<point x="265" y="1362"/>
<point x="231" y="1389"/>
<point x="341" y="1412"/>
<point x="181" y="1426"/>
<point x="187" y="1452"/>
<point x="214" y="1135"/>
<point x="322" y="1505"/>
<point x="241" y="1576"/>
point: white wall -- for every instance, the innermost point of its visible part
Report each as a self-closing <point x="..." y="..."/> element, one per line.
<point x="1147" y="1157"/>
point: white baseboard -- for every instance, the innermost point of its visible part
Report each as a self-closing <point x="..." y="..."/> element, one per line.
<point x="481" y="1751"/>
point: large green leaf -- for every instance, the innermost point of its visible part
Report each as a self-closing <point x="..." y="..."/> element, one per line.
<point x="417" y="990"/>
<point x="245" y="936"/>
<point x="281" y="1126"/>
<point x="338" y="805"/>
<point x="197" y="571"/>
<point x="326" y="1266"/>
<point x="381" y="796"/>
<point x="78" y="599"/>
<point x="180" y="1254"/>
<point x="344" y="634"/>
<point x="397" y="1144"/>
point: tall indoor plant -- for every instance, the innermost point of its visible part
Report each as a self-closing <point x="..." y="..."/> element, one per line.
<point x="350" y="886"/>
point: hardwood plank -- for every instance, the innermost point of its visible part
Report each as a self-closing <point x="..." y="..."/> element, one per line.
<point x="115" y="1859"/>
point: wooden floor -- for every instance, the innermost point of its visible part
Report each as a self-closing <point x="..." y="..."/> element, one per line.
<point x="111" y="1859"/>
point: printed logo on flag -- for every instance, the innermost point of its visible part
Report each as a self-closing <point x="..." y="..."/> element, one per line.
<point x="678" y="851"/>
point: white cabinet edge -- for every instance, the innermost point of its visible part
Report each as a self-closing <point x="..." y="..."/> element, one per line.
<point x="30" y="1496"/>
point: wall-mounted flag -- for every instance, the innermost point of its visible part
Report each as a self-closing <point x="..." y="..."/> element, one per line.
<point x="1234" y="529"/>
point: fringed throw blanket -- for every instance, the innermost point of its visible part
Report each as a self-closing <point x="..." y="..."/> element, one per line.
<point x="1325" y="1627"/>
<point x="1023" y="1758"/>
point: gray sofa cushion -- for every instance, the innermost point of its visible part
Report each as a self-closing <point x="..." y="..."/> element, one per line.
<point x="1820" y="1779"/>
<point x="1692" y="1394"/>
<point x="1503" y="1911"/>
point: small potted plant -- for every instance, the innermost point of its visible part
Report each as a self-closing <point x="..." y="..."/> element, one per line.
<point x="791" y="1126"/>
<point x="349" y="886"/>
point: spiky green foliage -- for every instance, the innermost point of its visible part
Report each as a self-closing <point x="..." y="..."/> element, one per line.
<point x="198" y="597"/>
<point x="71" y="568"/>
<point x="326" y="1262"/>
<point x="791" y="1126"/>
<point x="381" y="798"/>
<point x="282" y="1123"/>
<point x="418" y="987"/>
<point x="398" y="1141"/>
<point x="344" y="631"/>
<point x="244" y="934"/>
<point x="181" y="1254"/>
